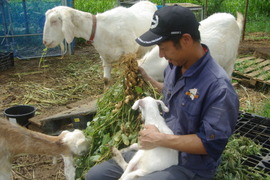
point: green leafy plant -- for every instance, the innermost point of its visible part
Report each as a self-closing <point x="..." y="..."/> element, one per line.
<point x="115" y="123"/>
<point x="265" y="111"/>
<point x="232" y="167"/>
<point x="42" y="58"/>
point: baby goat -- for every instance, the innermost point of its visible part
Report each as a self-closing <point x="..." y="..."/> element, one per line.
<point x="147" y="161"/>
<point x="16" y="140"/>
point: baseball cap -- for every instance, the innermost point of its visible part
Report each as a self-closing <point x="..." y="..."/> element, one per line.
<point x="168" y="21"/>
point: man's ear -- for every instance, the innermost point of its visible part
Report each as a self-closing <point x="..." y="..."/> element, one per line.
<point x="186" y="40"/>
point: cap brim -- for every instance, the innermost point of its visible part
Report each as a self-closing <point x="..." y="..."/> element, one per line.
<point x="149" y="38"/>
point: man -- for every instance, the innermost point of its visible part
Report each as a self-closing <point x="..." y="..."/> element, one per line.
<point x="203" y="104"/>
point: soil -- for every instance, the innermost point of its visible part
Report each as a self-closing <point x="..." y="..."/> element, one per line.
<point x="54" y="74"/>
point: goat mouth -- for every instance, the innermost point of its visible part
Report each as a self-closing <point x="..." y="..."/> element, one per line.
<point x="51" y="45"/>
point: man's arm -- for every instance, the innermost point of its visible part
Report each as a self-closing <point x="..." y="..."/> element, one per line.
<point x="150" y="138"/>
<point x="157" y="85"/>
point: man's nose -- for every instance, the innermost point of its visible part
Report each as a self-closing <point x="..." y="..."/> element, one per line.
<point x="161" y="54"/>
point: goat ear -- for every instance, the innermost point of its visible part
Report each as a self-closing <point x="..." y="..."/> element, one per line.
<point x="163" y="106"/>
<point x="79" y="142"/>
<point x="67" y="26"/>
<point x="136" y="105"/>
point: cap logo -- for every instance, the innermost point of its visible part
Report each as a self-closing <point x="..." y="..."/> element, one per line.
<point x="154" y="22"/>
<point x="176" y="32"/>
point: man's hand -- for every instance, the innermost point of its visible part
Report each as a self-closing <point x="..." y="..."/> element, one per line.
<point x="149" y="137"/>
<point x="157" y="85"/>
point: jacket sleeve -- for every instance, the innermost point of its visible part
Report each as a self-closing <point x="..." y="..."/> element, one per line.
<point x="219" y="121"/>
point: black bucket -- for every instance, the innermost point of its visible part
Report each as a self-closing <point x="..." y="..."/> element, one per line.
<point x="20" y="114"/>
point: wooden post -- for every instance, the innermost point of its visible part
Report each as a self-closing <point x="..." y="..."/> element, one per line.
<point x="206" y="9"/>
<point x="163" y="2"/>
<point x="245" y="20"/>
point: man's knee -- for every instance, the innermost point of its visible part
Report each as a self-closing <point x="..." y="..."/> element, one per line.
<point x="107" y="170"/>
<point x="93" y="173"/>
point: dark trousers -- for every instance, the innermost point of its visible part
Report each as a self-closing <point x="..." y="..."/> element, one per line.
<point x="109" y="170"/>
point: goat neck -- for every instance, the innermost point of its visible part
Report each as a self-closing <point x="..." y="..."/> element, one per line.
<point x="94" y="27"/>
<point x="19" y="140"/>
<point x="152" y="115"/>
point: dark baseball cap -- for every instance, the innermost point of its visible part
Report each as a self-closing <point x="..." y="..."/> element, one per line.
<point x="168" y="21"/>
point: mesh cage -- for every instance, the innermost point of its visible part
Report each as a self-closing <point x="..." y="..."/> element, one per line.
<point x="6" y="61"/>
<point x="21" y="27"/>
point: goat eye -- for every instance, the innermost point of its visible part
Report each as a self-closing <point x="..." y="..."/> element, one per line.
<point x="53" y="22"/>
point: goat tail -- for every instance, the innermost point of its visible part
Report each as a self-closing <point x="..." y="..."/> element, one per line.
<point x="240" y="21"/>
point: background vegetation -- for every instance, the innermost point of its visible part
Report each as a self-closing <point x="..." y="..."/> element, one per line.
<point x="257" y="19"/>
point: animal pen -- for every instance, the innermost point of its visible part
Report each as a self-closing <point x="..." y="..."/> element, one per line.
<point x="21" y="27"/>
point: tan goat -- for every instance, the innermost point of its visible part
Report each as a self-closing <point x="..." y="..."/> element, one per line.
<point x="17" y="140"/>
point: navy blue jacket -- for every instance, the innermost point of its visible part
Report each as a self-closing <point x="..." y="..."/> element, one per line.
<point x="201" y="102"/>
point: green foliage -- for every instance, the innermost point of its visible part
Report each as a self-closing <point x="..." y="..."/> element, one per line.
<point x="105" y="129"/>
<point x="95" y="6"/>
<point x="258" y="11"/>
<point x="237" y="150"/>
<point x="257" y="19"/>
<point x="265" y="111"/>
<point x="115" y="124"/>
<point x="259" y="7"/>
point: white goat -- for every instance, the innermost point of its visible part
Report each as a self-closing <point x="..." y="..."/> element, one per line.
<point x="147" y="161"/>
<point x="113" y="32"/>
<point x="16" y="140"/>
<point x="220" y="32"/>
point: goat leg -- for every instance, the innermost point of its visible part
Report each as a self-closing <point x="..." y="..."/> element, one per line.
<point x="117" y="155"/>
<point x="134" y="146"/>
<point x="69" y="167"/>
<point x="118" y="158"/>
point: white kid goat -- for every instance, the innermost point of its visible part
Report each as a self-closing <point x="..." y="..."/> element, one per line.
<point x="112" y="33"/>
<point x="221" y="32"/>
<point x="17" y="140"/>
<point x="147" y="161"/>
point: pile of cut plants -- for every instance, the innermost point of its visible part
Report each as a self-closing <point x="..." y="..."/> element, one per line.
<point x="116" y="124"/>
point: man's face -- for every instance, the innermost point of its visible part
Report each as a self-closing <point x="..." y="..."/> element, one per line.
<point x="175" y="54"/>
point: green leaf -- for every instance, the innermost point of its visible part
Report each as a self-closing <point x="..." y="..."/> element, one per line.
<point x="125" y="139"/>
<point x="94" y="158"/>
<point x="117" y="136"/>
<point x="138" y="89"/>
<point x="106" y="138"/>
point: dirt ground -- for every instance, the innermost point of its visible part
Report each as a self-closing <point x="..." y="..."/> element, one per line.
<point x="17" y="82"/>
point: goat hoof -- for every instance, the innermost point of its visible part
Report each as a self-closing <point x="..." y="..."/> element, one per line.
<point x="115" y="151"/>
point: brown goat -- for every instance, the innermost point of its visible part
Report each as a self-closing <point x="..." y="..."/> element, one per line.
<point x="16" y="140"/>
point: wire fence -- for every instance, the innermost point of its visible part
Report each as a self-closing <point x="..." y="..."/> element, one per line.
<point x="21" y="27"/>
